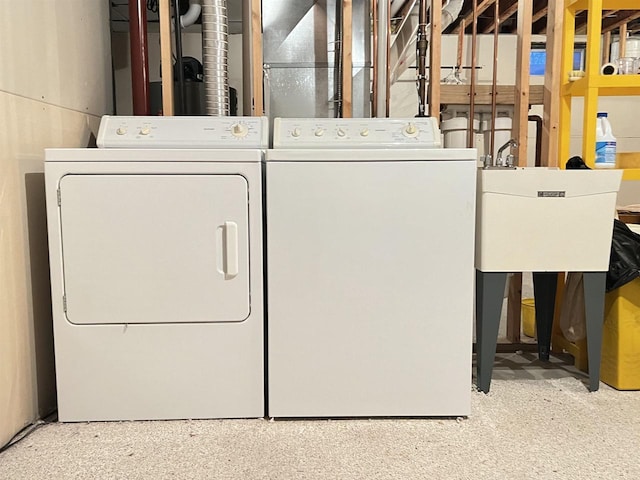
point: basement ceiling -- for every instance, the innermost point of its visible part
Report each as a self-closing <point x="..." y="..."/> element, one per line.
<point x="508" y="9"/>
<point x="612" y="19"/>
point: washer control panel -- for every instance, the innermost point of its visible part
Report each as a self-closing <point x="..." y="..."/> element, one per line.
<point x="356" y="133"/>
<point x="183" y="132"/>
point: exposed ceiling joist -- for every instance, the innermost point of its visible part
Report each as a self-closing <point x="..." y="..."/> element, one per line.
<point x="507" y="12"/>
<point x="610" y="24"/>
<point x="540" y="14"/>
<point x="468" y="19"/>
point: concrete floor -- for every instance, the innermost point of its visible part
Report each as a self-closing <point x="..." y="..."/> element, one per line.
<point x="539" y="421"/>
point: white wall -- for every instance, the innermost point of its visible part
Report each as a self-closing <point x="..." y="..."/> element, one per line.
<point x="55" y="83"/>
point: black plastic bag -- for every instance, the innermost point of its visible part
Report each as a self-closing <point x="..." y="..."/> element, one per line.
<point x="624" y="263"/>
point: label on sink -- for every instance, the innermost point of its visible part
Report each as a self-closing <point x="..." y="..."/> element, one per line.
<point x="551" y="193"/>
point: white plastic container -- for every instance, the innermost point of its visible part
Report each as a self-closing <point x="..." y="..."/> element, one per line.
<point x="456" y="131"/>
<point x="605" y="143"/>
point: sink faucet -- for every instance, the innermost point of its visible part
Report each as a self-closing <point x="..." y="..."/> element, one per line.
<point x="510" y="144"/>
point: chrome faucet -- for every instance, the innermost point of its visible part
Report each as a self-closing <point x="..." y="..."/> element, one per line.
<point x="510" y="158"/>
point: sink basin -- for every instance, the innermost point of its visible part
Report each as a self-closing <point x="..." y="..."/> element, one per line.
<point x="545" y="219"/>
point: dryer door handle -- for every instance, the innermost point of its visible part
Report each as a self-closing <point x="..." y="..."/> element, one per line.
<point x="231" y="249"/>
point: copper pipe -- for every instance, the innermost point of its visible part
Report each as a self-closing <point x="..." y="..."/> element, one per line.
<point x="374" y="58"/>
<point x="494" y="83"/>
<point x="472" y="88"/>
<point x="460" y="45"/>
<point x="139" y="56"/>
<point x="388" y="66"/>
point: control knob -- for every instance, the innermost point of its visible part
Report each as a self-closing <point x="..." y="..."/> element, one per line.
<point x="239" y="130"/>
<point x="410" y="130"/>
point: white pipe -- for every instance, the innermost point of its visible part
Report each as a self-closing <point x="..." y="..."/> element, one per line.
<point x="451" y="11"/>
<point x="192" y="15"/>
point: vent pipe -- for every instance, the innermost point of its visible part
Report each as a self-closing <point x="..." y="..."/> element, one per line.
<point x="215" y="51"/>
<point x="139" y="56"/>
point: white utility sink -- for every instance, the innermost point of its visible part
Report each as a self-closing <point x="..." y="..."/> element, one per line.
<point x="545" y="219"/>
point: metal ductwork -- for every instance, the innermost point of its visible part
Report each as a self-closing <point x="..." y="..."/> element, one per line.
<point x="299" y="45"/>
<point x="215" y="52"/>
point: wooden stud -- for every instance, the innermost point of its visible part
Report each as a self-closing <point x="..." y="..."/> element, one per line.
<point x="552" y="83"/>
<point x="623" y="40"/>
<point x="521" y="114"/>
<point x="435" y="59"/>
<point x="252" y="67"/>
<point x="514" y="308"/>
<point x="256" y="60"/>
<point x="166" y="58"/>
<point x="606" y="48"/>
<point x="347" y="59"/>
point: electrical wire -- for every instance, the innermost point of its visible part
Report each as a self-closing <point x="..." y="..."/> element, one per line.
<point x="26" y="431"/>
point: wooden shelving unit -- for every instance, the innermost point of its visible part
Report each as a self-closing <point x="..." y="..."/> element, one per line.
<point x="593" y="85"/>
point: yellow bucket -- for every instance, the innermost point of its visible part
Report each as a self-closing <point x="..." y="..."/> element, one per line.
<point x="620" y="364"/>
<point x="529" y="317"/>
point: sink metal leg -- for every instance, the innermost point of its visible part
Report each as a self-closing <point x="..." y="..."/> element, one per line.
<point x="489" y="298"/>
<point x="544" y="291"/>
<point x="594" y="290"/>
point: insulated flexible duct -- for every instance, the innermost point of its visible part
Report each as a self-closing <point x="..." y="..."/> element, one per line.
<point x="215" y="50"/>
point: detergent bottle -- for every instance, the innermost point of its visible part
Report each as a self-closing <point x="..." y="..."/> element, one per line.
<point x="605" y="143"/>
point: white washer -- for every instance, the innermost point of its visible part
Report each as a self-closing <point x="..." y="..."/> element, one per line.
<point x="370" y="247"/>
<point x="156" y="270"/>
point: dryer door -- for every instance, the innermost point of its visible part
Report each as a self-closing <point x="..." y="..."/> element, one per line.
<point x="140" y="249"/>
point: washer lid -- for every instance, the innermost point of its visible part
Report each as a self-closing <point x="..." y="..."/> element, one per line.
<point x="140" y="249"/>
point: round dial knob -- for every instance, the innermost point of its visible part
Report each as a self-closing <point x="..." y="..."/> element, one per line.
<point x="295" y="132"/>
<point x="239" y="130"/>
<point x="364" y="132"/>
<point x="121" y="131"/>
<point x="319" y="132"/>
<point x="410" y="129"/>
<point x="340" y="132"/>
<point x="145" y="131"/>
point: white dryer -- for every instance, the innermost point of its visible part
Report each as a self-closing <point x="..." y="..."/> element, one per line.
<point x="370" y="247"/>
<point x="156" y="270"/>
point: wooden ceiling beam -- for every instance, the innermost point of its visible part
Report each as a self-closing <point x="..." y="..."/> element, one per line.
<point x="540" y="14"/>
<point x="509" y="10"/>
<point x="468" y="18"/>
<point x="612" y="24"/>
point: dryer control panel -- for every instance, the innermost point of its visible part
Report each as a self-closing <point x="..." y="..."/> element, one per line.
<point x="183" y="132"/>
<point x="356" y="133"/>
